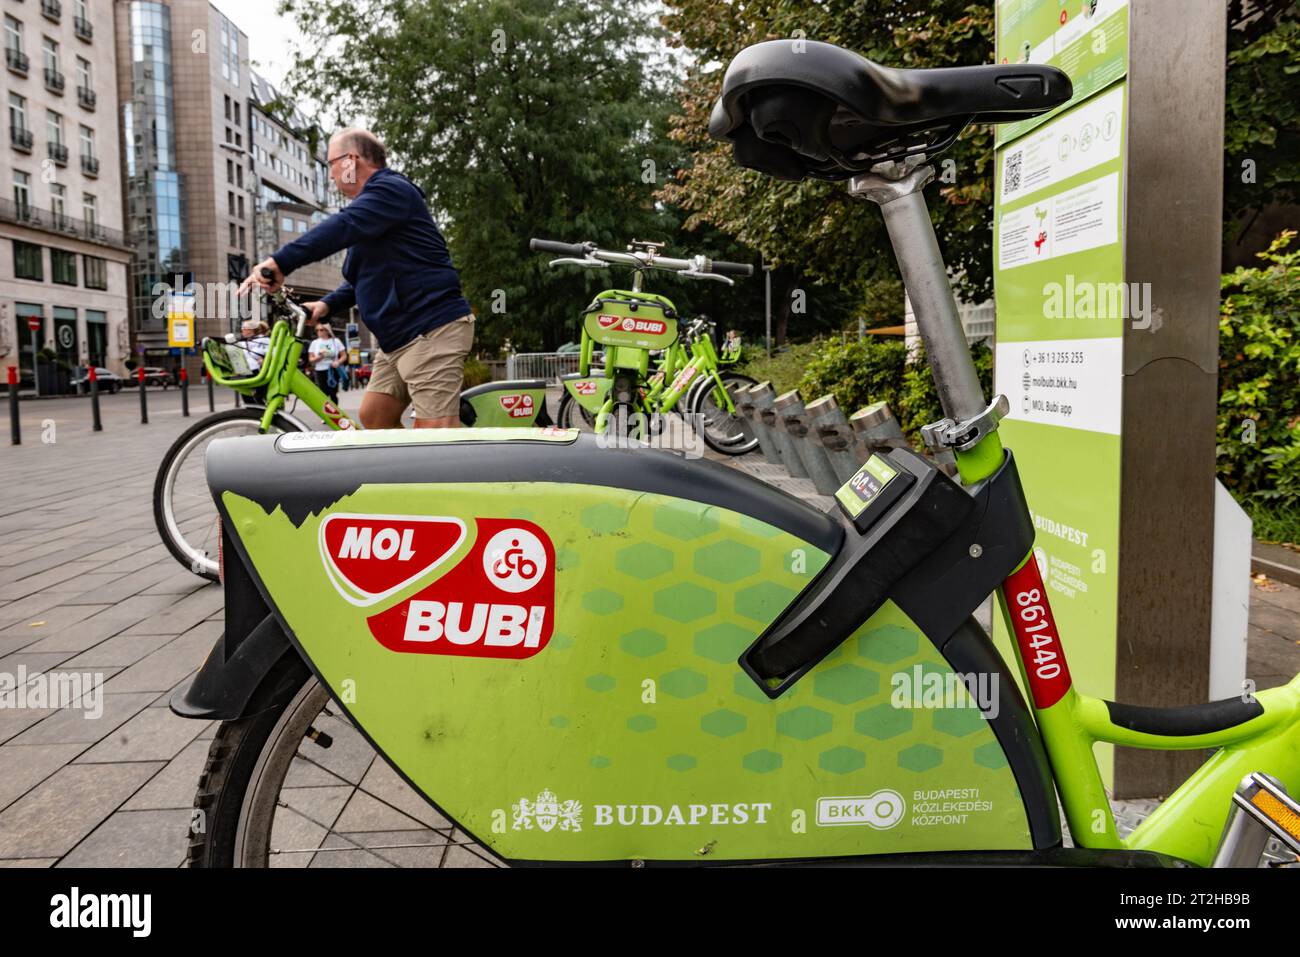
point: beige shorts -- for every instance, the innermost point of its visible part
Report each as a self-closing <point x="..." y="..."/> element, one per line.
<point x="427" y="371"/>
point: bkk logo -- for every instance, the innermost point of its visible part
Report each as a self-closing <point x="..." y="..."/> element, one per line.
<point x="881" y="810"/>
<point x="497" y="602"/>
<point x="519" y="405"/>
<point x="653" y="327"/>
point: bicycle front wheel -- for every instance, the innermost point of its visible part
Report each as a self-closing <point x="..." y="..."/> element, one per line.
<point x="183" y="508"/>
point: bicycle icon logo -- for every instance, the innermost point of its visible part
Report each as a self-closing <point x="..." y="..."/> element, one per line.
<point x="514" y="560"/>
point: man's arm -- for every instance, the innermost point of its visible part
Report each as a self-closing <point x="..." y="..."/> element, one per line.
<point x="341" y="299"/>
<point x="374" y="212"/>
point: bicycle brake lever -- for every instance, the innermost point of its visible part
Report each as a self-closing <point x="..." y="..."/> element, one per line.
<point x="692" y="274"/>
<point x="573" y="261"/>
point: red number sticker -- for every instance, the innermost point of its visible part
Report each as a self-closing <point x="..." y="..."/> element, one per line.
<point x="1036" y="635"/>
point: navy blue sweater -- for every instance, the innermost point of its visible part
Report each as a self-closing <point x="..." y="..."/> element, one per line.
<point x="398" y="271"/>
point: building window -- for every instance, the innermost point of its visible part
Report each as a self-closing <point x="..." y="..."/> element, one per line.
<point x="63" y="267"/>
<point x="230" y="171"/>
<point x="302" y="226"/>
<point x="17" y="112"/>
<point x="27" y="261"/>
<point x="227" y="108"/>
<point x="232" y="233"/>
<point x="242" y="236"/>
<point x="241" y="205"/>
<point x="96" y="270"/>
<point x="13" y="35"/>
<point x="83" y="73"/>
<point x="239" y="176"/>
<point x="50" y="54"/>
<point x="58" y="203"/>
<point x="230" y="202"/>
<point x="236" y="114"/>
<point x="89" y="209"/>
<point x="286" y="224"/>
<point x="87" y="142"/>
<point x="23" y="193"/>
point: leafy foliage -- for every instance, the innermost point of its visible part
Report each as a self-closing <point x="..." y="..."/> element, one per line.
<point x="1259" y="378"/>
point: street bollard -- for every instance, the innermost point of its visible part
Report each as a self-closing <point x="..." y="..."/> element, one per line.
<point x="877" y="429"/>
<point x="752" y="401"/>
<point x="784" y="444"/>
<point x="832" y="431"/>
<point x="15" y="430"/>
<point x="793" y="421"/>
<point x="212" y="400"/>
<point x="144" y="399"/>
<point x="185" y="393"/>
<point x="96" y="424"/>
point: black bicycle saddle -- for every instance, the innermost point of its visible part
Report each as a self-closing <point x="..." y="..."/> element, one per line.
<point x="796" y="108"/>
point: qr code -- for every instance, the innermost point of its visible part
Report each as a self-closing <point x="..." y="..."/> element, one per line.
<point x="1011" y="181"/>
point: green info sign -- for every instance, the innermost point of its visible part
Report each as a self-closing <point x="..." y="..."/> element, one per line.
<point x="1061" y="307"/>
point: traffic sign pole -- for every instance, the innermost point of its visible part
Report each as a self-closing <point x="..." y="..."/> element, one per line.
<point x="185" y="393"/>
<point x="96" y="424"/>
<point x="144" y="401"/>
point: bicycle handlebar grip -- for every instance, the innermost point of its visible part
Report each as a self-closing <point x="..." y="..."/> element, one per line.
<point x="732" y="269"/>
<point x="562" y="249"/>
<point x="268" y="272"/>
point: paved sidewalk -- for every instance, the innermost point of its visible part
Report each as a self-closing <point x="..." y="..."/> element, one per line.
<point x="85" y="587"/>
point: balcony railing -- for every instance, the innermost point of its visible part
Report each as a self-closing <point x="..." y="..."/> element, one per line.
<point x="89" y="165"/>
<point x="83" y="28"/>
<point x="58" y="153"/>
<point x="44" y="219"/>
<point x="17" y="61"/>
<point x="86" y="97"/>
<point x="21" y="138"/>
<point x="54" y="81"/>
<point x="52" y="9"/>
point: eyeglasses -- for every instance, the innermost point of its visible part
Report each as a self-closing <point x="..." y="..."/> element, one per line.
<point x="331" y="162"/>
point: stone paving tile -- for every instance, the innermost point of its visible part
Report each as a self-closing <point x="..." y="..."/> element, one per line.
<point x="1271" y="593"/>
<point x="173" y="786"/>
<point x="1277" y="620"/>
<point x="161" y="670"/>
<point x="154" y="838"/>
<point x="53" y="817"/>
<point x="54" y="618"/>
<point x="29" y="862"/>
<point x="431" y="854"/>
<point x="24" y="767"/>
<point x="119" y="650"/>
<point x="184" y="613"/>
<point x="105" y="624"/>
<point x="43" y="580"/>
<point x="383" y="783"/>
<point x="71" y="725"/>
<point x="34" y="662"/>
<point x="152" y="735"/>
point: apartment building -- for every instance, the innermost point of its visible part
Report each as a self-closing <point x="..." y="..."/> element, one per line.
<point x="63" y="251"/>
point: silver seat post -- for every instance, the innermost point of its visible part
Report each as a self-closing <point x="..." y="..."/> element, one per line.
<point x="897" y="188"/>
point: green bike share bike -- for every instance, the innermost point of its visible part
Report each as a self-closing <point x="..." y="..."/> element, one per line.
<point x="628" y="325"/>
<point x="183" y="509"/>
<point x="570" y="653"/>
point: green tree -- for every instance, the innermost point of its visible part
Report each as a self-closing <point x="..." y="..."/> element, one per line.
<point x="518" y="118"/>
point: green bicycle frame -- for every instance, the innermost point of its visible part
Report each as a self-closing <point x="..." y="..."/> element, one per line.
<point x="280" y="376"/>
<point x="1189" y="823"/>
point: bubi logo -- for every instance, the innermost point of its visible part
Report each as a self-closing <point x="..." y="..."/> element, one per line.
<point x="518" y="406"/>
<point x="369" y="557"/>
<point x="585" y="387"/>
<point x="651" y="327"/>
<point x="497" y="602"/>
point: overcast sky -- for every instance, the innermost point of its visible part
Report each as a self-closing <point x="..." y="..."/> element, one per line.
<point x="269" y="35"/>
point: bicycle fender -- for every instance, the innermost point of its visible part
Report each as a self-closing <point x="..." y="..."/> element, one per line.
<point x="227" y="686"/>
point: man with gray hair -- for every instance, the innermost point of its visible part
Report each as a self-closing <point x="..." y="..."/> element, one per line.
<point x="399" y="274"/>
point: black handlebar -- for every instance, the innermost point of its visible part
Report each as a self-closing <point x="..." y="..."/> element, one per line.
<point x="732" y="269"/>
<point x="268" y="273"/>
<point x="562" y="249"/>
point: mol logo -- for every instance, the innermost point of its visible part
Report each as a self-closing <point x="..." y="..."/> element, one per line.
<point x="651" y="327"/>
<point x="497" y="602"/>
<point x="518" y="406"/>
<point x="369" y="557"/>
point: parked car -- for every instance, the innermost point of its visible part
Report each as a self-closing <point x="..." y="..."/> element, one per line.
<point x="108" y="381"/>
<point x="153" y="375"/>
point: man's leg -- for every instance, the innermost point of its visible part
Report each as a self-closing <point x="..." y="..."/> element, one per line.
<point x="385" y="398"/>
<point x="379" y="411"/>
<point x="432" y="368"/>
